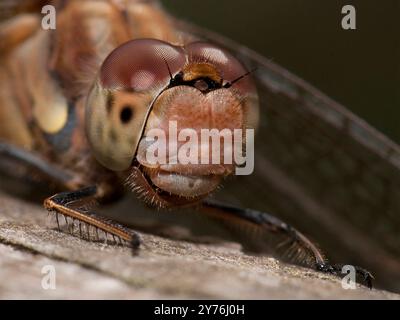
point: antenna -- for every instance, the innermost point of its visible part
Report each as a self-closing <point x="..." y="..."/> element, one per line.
<point x="169" y="70"/>
<point x="230" y="83"/>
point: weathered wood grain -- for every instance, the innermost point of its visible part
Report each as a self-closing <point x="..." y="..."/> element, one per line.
<point x="162" y="268"/>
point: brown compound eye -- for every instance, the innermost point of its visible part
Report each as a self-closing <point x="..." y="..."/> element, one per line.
<point x="140" y="65"/>
<point x="118" y="104"/>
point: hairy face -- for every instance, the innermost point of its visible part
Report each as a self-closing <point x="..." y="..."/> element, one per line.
<point x="180" y="92"/>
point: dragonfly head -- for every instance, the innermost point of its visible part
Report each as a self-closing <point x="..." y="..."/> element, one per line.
<point x="171" y="118"/>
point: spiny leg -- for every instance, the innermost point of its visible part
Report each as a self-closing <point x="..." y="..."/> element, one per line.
<point x="337" y="269"/>
<point x="64" y="203"/>
<point x="300" y="247"/>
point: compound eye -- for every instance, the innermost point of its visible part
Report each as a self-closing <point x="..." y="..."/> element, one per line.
<point x="119" y="102"/>
<point x="227" y="65"/>
<point x="141" y="64"/>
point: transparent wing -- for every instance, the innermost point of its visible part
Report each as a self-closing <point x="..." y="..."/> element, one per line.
<point x="320" y="168"/>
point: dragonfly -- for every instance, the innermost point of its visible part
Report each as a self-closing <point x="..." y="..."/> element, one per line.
<point x="77" y="103"/>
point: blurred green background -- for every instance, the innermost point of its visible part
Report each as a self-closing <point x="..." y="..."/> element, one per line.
<point x="358" y="68"/>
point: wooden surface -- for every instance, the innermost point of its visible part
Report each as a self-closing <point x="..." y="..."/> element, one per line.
<point x="162" y="268"/>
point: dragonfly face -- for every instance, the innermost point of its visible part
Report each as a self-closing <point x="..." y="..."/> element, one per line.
<point x="148" y="84"/>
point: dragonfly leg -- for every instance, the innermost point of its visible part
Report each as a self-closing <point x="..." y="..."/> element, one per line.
<point x="29" y="162"/>
<point x="337" y="269"/>
<point x="64" y="203"/>
<point x="69" y="205"/>
<point x="298" y="245"/>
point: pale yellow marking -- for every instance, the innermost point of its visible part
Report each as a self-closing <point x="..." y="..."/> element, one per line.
<point x="116" y="155"/>
<point x="51" y="114"/>
<point x="50" y="107"/>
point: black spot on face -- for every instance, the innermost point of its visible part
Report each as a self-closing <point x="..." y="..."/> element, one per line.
<point x="126" y="114"/>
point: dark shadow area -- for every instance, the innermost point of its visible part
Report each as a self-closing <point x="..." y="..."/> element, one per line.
<point x="358" y="68"/>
